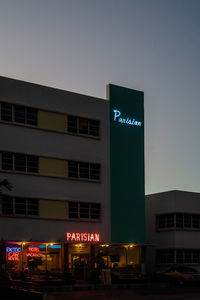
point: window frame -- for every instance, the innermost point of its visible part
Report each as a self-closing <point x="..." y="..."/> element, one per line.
<point x="78" y="213"/>
<point x="16" y="167"/>
<point x="181" y="256"/>
<point x="79" y="164"/>
<point x="194" y="219"/>
<point x="77" y="129"/>
<point x="16" y="206"/>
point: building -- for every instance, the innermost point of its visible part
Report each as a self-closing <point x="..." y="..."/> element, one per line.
<point x="76" y="164"/>
<point x="173" y="229"/>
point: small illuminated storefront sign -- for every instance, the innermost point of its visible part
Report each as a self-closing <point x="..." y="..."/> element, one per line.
<point x="117" y="117"/>
<point x="13" y="253"/>
<point x="82" y="237"/>
<point x="33" y="252"/>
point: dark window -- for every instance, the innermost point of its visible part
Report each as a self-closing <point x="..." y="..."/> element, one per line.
<point x="179" y="220"/>
<point x="19" y="116"/>
<point x="72" y="124"/>
<point x="7" y="161"/>
<point x="20" y="162"/>
<point x="32" y="163"/>
<point x="26" y="115"/>
<point x="95" y="210"/>
<point x="196" y="257"/>
<point x="166" y="221"/>
<point x="165" y="256"/>
<point x="84" y="170"/>
<point x="22" y="114"/>
<point x="73" y="210"/>
<point x="188" y="256"/>
<point x="20" y="206"/>
<point x="196" y="223"/>
<point x="94" y="127"/>
<point x="84" y="210"/>
<point x="187" y="221"/>
<point x="32" y="116"/>
<point x="95" y="171"/>
<point x="6" y="112"/>
<point x="179" y="256"/>
<point x="7" y="205"/>
<point x="73" y="169"/>
<point x="83" y="126"/>
<point x="32" y="207"/>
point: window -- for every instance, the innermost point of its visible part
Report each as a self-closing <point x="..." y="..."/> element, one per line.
<point x="7" y="161"/>
<point x="178" y="220"/>
<point x="19" y="162"/>
<point x="72" y="124"/>
<point x="178" y="256"/>
<point x="73" y="210"/>
<point x="19" y="114"/>
<point x="25" y="115"/>
<point x="83" y="170"/>
<point x="83" y="126"/>
<point x="165" y="256"/>
<point x="20" y="206"/>
<point x="188" y="221"/>
<point x="6" y="112"/>
<point x="84" y="210"/>
<point x="95" y="210"/>
<point x="165" y="221"/>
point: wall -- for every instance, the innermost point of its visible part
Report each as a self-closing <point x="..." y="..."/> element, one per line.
<point x="55" y="145"/>
<point x="127" y="166"/>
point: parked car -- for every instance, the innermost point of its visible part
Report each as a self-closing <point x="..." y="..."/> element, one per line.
<point x="181" y="274"/>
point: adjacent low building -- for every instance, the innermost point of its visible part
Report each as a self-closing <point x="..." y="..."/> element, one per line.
<point x="173" y="229"/>
<point x="76" y="164"/>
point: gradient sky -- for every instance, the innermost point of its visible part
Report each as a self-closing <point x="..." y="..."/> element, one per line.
<point x="150" y="45"/>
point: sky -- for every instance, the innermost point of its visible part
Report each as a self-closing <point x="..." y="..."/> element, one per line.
<point x="148" y="45"/>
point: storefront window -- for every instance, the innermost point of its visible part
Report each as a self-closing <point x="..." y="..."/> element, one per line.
<point x="33" y="257"/>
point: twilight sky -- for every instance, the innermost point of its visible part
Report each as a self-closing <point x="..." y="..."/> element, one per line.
<point x="150" y="45"/>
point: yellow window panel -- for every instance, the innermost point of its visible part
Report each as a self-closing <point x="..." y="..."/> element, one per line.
<point x="52" y="121"/>
<point x="53" y="167"/>
<point x="53" y="209"/>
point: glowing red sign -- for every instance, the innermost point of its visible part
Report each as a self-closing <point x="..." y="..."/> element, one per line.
<point x="33" y="252"/>
<point x="34" y="249"/>
<point x="14" y="256"/>
<point x="82" y="237"/>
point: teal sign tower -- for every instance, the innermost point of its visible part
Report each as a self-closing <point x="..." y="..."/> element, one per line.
<point x="127" y="164"/>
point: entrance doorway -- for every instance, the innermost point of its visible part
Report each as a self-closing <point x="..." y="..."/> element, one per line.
<point x="80" y="266"/>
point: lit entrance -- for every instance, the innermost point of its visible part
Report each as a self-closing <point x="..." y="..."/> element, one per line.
<point x="80" y="266"/>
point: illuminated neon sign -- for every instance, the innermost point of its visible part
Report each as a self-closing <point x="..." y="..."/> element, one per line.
<point x="82" y="237"/>
<point x="33" y="252"/>
<point x="13" y="253"/>
<point x="125" y="120"/>
<point x="13" y="249"/>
